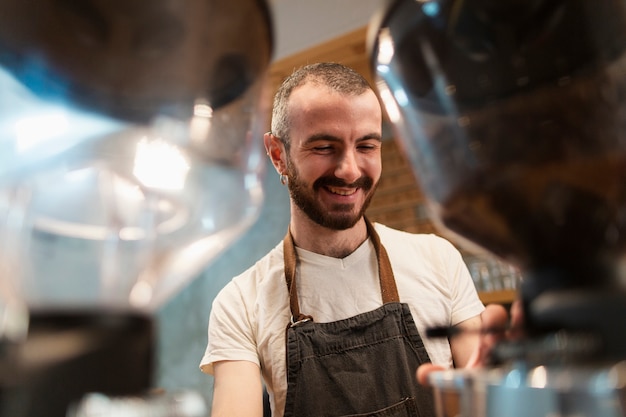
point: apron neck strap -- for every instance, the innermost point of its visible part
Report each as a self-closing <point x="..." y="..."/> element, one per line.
<point x="388" y="287"/>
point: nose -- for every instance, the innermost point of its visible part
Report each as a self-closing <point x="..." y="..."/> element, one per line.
<point x="348" y="167"/>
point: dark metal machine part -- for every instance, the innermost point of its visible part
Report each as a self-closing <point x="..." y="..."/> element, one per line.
<point x="70" y="353"/>
<point x="134" y="60"/>
<point x="512" y="114"/>
<point x="526" y="155"/>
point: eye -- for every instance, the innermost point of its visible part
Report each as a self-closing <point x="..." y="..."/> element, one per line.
<point x="323" y="148"/>
<point x="368" y="146"/>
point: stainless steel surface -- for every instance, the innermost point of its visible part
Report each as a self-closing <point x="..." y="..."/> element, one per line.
<point x="129" y="143"/>
<point x="130" y="157"/>
<point x="168" y="404"/>
<point x="520" y="391"/>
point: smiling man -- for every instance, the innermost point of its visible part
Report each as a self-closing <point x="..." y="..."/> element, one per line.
<point x="355" y="297"/>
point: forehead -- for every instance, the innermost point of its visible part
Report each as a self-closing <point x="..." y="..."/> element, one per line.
<point x="313" y="105"/>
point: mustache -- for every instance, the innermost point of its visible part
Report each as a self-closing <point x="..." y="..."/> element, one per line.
<point x="365" y="183"/>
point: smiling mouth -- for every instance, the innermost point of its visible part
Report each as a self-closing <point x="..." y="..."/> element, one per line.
<point x="342" y="191"/>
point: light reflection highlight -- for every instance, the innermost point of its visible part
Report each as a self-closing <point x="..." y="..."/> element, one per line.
<point x="160" y="165"/>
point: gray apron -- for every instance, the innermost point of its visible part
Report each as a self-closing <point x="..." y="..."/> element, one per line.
<point x="361" y="366"/>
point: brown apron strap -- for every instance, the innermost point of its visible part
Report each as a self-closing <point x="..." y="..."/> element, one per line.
<point x="290" y="261"/>
<point x="388" y="287"/>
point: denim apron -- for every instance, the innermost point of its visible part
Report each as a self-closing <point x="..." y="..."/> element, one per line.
<point x="361" y="366"/>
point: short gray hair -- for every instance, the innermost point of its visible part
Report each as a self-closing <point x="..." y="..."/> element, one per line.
<point x="337" y="77"/>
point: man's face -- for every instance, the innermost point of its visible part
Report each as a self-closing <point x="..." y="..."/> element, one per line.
<point x="334" y="163"/>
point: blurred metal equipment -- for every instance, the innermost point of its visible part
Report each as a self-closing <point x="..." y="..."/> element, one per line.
<point x="177" y="404"/>
<point x="513" y="115"/>
<point x="130" y="157"/>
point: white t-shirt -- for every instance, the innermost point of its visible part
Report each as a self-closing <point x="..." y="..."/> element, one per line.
<point x="250" y="315"/>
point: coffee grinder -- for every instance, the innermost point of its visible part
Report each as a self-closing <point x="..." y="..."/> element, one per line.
<point x="513" y="115"/>
<point x="129" y="159"/>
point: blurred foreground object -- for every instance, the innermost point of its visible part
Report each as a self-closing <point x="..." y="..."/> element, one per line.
<point x="130" y="157"/>
<point x="513" y="115"/>
<point x="178" y="404"/>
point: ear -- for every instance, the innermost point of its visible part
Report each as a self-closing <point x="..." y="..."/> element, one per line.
<point x="276" y="151"/>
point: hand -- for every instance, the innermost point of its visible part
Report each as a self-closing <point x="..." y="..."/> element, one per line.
<point x="495" y="321"/>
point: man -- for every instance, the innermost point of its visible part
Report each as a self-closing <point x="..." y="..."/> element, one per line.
<point x="354" y="297"/>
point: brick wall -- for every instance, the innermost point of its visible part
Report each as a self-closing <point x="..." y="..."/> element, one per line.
<point x="399" y="202"/>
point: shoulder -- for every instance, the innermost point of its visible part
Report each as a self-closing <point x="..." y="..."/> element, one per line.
<point x="420" y="251"/>
<point x="425" y="242"/>
<point x="249" y="297"/>
<point x="256" y="277"/>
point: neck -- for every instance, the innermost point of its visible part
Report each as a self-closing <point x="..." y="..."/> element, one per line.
<point x="311" y="236"/>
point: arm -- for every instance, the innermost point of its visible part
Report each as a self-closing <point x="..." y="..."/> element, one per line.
<point x="471" y="350"/>
<point x="237" y="390"/>
<point x="465" y="344"/>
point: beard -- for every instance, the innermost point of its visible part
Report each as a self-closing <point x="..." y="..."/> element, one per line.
<point x="340" y="216"/>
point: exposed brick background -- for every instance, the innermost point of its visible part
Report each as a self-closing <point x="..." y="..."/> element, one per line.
<point x="399" y="202"/>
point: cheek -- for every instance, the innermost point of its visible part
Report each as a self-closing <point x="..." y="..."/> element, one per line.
<point x="312" y="168"/>
<point x="374" y="168"/>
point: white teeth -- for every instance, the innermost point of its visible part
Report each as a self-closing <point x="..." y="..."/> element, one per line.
<point x="341" y="191"/>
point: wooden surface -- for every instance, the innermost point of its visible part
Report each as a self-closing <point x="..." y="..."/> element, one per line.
<point x="498" y="297"/>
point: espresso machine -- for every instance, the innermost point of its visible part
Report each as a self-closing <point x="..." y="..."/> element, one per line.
<point x="513" y="116"/>
<point x="129" y="159"/>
